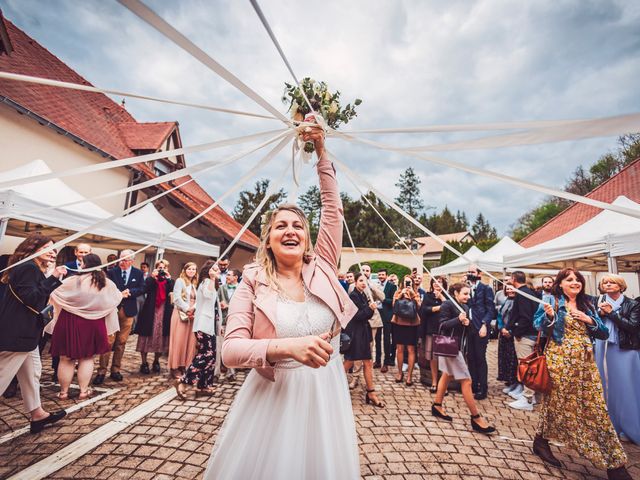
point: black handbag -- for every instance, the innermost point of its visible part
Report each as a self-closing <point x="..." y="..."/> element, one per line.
<point x="45" y="315"/>
<point x="345" y="342"/>
<point x="405" y="308"/>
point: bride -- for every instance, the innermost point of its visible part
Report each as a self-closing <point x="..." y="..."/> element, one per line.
<point x="292" y="418"/>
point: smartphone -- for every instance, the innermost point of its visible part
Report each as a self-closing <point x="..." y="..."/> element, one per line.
<point x="407" y="283"/>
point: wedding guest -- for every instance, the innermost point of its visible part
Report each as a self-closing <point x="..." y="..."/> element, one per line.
<point x="225" y="293"/>
<point x="393" y="278"/>
<point x="621" y="372"/>
<point x="377" y="295"/>
<point x="574" y="412"/>
<point x="547" y="284"/>
<point x="507" y="358"/>
<point x="359" y="330"/>
<point x="79" y="251"/>
<point x="144" y="268"/>
<point x="182" y="342"/>
<point x="112" y="257"/>
<point x="202" y="369"/>
<point x="154" y="320"/>
<point x="482" y="313"/>
<point x="129" y="281"/>
<point x="343" y="281"/>
<point x="85" y="314"/>
<point x="429" y="325"/>
<point x="223" y="265"/>
<point x="27" y="294"/>
<point x="406" y="303"/>
<point x="417" y="285"/>
<point x="457" y="324"/>
<point x="296" y="361"/>
<point x="349" y="278"/>
<point x="386" y="313"/>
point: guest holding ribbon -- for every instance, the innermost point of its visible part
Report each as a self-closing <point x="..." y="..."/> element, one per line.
<point x="456" y="324"/>
<point x="575" y="412"/>
<point x="621" y="372"/>
<point x="406" y="303"/>
<point x="429" y="324"/>
<point x="85" y="314"/>
<point x="21" y="324"/>
<point x="182" y="341"/>
<point x="154" y="320"/>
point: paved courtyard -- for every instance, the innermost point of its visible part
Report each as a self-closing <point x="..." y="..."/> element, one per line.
<point x="138" y="429"/>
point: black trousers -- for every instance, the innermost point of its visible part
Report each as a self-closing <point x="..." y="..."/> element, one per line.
<point x="477" y="360"/>
<point x="389" y="344"/>
<point x="378" y="341"/>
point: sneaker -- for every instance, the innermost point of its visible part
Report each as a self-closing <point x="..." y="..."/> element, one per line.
<point x="509" y="388"/>
<point x="405" y="367"/>
<point x="522" y="404"/>
<point x="516" y="393"/>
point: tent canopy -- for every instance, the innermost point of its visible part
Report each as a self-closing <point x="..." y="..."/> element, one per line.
<point x="142" y="227"/>
<point x="459" y="264"/>
<point x="588" y="246"/>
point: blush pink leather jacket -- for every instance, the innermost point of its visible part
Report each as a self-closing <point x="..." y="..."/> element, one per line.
<point x="252" y="310"/>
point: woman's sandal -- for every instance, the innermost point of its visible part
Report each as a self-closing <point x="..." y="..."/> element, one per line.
<point x="436" y="412"/>
<point x="376" y="403"/>
<point x="63" y="395"/>
<point x="85" y="394"/>
<point x="181" y="393"/>
<point x="207" y="392"/>
<point x="399" y="380"/>
<point x="408" y="383"/>
<point x="433" y="388"/>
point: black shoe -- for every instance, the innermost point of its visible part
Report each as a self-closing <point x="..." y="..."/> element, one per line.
<point x="478" y="428"/>
<point x="117" y="376"/>
<point x="99" y="380"/>
<point x="480" y="396"/>
<point x="542" y="449"/>
<point x="619" y="473"/>
<point x="38" y="425"/>
<point x="144" y="368"/>
<point x="437" y="413"/>
<point x="376" y="365"/>
<point x="155" y="368"/>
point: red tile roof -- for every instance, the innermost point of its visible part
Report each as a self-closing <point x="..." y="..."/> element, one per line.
<point x="96" y="119"/>
<point x="626" y="182"/>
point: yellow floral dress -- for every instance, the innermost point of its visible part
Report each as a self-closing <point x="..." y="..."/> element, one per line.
<point x="575" y="412"/>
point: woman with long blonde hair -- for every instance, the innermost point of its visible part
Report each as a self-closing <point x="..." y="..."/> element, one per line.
<point x="292" y="417"/>
<point x="182" y="341"/>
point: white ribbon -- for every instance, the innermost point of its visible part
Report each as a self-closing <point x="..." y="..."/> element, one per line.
<point x="632" y="212"/>
<point x="88" y="88"/>
<point x="110" y="219"/>
<point x="145" y="13"/>
<point x="133" y="160"/>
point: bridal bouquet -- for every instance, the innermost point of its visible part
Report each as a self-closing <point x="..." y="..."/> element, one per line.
<point x="323" y="102"/>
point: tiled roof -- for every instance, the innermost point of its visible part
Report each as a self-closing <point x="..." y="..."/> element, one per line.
<point x="96" y="119"/>
<point x="626" y="182"/>
<point x="429" y="245"/>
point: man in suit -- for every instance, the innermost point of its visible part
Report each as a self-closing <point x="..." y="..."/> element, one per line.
<point x="482" y="312"/>
<point x="386" y="312"/>
<point x="130" y="281"/>
<point x="80" y="251"/>
<point x="520" y="327"/>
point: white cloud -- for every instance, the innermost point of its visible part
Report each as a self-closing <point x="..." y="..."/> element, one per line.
<point x="412" y="62"/>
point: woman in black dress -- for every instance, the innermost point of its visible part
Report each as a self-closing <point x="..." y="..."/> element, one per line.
<point x="360" y="332"/>
<point x="429" y="323"/>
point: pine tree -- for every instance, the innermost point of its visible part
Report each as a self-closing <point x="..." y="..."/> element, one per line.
<point x="410" y="201"/>
<point x="310" y="204"/>
<point x="482" y="230"/>
<point x="249" y="200"/>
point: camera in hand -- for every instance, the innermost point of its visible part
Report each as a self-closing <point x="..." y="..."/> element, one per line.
<point x="472" y="278"/>
<point x="162" y="274"/>
<point x="407" y="283"/>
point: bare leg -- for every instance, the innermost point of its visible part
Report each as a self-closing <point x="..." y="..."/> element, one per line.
<point x="399" y="360"/>
<point x="368" y="378"/>
<point x="442" y="388"/>
<point x="433" y="363"/>
<point x="65" y="374"/>
<point x="411" y="351"/>
<point x="347" y="365"/>
<point x="85" y="371"/>
<point x="38" y="414"/>
<point x="467" y="394"/>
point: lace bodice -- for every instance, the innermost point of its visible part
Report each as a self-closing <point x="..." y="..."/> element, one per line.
<point x="299" y="319"/>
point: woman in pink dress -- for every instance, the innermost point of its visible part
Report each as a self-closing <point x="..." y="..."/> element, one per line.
<point x="182" y="341"/>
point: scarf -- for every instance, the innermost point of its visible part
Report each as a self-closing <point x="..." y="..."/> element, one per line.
<point x="613" y="330"/>
<point x="78" y="296"/>
<point x="161" y="292"/>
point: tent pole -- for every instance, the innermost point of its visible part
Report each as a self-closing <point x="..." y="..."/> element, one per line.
<point x="3" y="227"/>
<point x="159" y="253"/>
<point x="612" y="264"/>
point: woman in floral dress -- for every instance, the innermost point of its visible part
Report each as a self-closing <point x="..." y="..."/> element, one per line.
<point x="575" y="412"/>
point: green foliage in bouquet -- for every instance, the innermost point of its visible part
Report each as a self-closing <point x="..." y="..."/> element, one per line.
<point x="322" y="100"/>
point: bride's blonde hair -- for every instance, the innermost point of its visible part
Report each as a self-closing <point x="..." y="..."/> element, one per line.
<point x="264" y="255"/>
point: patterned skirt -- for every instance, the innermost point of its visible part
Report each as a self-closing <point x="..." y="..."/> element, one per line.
<point x="507" y="360"/>
<point x="202" y="368"/>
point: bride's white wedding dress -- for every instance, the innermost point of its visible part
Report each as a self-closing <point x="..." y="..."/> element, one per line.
<point x="299" y="427"/>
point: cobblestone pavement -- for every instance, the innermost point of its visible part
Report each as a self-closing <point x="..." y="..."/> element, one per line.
<point x="175" y="439"/>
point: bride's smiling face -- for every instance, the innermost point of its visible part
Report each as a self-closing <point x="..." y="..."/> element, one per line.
<point x="287" y="238"/>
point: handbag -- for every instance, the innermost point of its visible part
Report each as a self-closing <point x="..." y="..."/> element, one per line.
<point x="405" y="308"/>
<point x="345" y="342"/>
<point x="532" y="369"/>
<point x="45" y="315"/>
<point x="445" y="345"/>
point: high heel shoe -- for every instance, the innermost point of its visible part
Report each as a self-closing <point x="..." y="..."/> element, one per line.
<point x="478" y="428"/>
<point x="368" y="399"/>
<point x="437" y="413"/>
<point x="179" y="391"/>
<point x="399" y="380"/>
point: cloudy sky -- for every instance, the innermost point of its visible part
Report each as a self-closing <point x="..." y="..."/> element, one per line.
<point x="413" y="63"/>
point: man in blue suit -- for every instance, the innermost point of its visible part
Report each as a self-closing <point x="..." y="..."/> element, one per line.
<point x="130" y="281"/>
<point x="482" y="312"/>
<point x="386" y="313"/>
<point x="80" y="251"/>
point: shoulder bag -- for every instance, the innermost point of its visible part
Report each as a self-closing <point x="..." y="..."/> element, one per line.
<point x="45" y="315"/>
<point x="532" y="369"/>
<point x="405" y="308"/>
<point x="445" y="345"/>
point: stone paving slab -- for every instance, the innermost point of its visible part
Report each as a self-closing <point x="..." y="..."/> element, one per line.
<point x="402" y="441"/>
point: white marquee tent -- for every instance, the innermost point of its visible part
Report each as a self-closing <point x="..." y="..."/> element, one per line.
<point x="142" y="227"/>
<point x="459" y="264"/>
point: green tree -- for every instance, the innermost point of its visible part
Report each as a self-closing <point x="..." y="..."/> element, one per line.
<point x="409" y="200"/>
<point x="249" y="201"/>
<point x="482" y="229"/>
<point x="399" y="270"/>
<point x="310" y="204"/>
<point x="534" y="219"/>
